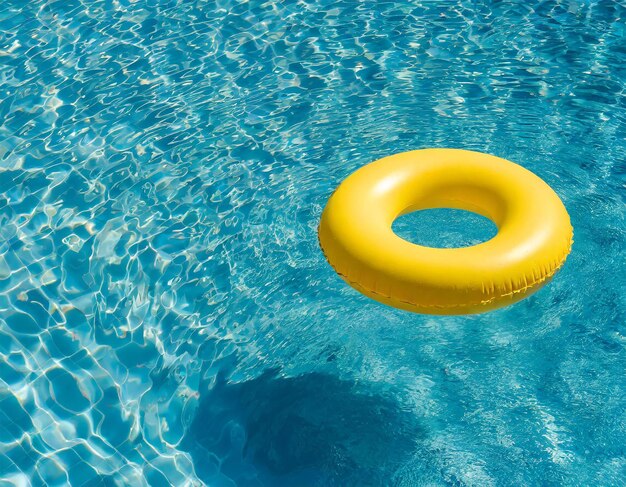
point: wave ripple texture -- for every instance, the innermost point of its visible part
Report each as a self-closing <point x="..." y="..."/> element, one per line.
<point x="166" y="315"/>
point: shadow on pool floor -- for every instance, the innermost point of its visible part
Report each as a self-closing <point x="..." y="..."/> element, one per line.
<point x="313" y="429"/>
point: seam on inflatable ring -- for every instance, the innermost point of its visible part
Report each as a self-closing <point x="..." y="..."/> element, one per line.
<point x="523" y="289"/>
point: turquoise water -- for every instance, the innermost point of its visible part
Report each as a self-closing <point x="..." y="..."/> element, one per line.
<point x="166" y="315"/>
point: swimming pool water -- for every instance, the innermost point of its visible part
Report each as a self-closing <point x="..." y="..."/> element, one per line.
<point x="166" y="315"/>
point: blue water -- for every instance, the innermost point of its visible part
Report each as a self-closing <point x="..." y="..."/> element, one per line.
<point x="166" y="315"/>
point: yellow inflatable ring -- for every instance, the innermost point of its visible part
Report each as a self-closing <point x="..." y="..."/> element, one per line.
<point x="533" y="240"/>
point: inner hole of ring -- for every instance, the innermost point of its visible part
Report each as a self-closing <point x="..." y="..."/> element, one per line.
<point x="444" y="228"/>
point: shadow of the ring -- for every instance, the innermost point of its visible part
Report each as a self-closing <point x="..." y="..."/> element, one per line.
<point x="314" y="429"/>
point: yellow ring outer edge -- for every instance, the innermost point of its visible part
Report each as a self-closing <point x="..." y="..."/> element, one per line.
<point x="493" y="302"/>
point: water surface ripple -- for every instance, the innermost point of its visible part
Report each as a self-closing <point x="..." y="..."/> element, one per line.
<point x="166" y="315"/>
